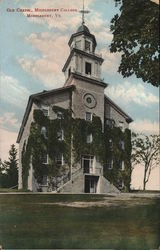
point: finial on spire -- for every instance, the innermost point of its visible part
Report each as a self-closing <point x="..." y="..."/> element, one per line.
<point x="83" y="12"/>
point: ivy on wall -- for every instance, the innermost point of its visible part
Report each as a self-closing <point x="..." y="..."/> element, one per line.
<point x="77" y="129"/>
<point x="119" y="151"/>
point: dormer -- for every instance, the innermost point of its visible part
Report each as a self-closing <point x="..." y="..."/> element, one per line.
<point x="82" y="59"/>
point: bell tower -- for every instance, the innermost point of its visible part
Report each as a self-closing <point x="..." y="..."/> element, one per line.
<point x="82" y="59"/>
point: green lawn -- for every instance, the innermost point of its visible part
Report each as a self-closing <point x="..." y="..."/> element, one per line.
<point x="26" y="221"/>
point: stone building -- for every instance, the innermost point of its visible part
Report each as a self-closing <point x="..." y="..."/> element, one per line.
<point x="75" y="139"/>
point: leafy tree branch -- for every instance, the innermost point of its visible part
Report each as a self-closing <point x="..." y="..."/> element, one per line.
<point x="136" y="36"/>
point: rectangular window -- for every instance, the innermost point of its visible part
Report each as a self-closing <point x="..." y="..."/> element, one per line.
<point x="110" y="123"/>
<point x="87" y="163"/>
<point x="88" y="68"/>
<point x="110" y="144"/>
<point x="89" y="138"/>
<point x="88" y="116"/>
<point x="78" y="44"/>
<point x="87" y="45"/>
<point x="44" y="132"/>
<point x="60" y="135"/>
<point x="59" y="115"/>
<point x="121" y="165"/>
<point x="59" y="159"/>
<point x="45" y="110"/>
<point x="44" y="158"/>
<point x="121" y="144"/>
<point x="110" y="163"/>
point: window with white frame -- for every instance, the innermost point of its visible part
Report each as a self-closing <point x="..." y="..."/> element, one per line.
<point x="60" y="135"/>
<point x="44" y="158"/>
<point x="45" y="110"/>
<point x="44" y="132"/>
<point x="59" y="115"/>
<point x="59" y="159"/>
<point x="89" y="138"/>
<point x="121" y="165"/>
<point x="87" y="163"/>
<point x="110" y="163"/>
<point x="110" y="123"/>
<point x="88" y="116"/>
<point x="121" y="144"/>
<point x="121" y="125"/>
<point x="110" y="144"/>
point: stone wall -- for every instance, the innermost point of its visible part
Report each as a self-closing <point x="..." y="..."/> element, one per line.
<point x="61" y="100"/>
<point x="79" y="108"/>
<point x="112" y="113"/>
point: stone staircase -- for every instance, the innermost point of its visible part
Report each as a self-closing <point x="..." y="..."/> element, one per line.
<point x="77" y="183"/>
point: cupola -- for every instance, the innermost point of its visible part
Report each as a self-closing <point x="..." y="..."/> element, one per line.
<point x="82" y="59"/>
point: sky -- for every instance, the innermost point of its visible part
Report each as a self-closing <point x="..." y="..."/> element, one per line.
<point x="33" y="51"/>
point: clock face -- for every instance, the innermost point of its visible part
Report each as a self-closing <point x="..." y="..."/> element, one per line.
<point x="89" y="100"/>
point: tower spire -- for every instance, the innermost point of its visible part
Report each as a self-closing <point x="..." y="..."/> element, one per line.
<point x="83" y="11"/>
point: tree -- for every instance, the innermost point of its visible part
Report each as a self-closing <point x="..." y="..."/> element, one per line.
<point x="10" y="168"/>
<point x="136" y="36"/>
<point x="146" y="151"/>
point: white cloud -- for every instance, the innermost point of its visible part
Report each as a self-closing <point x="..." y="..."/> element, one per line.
<point x="12" y="91"/>
<point x="111" y="61"/>
<point x="129" y="92"/>
<point x="68" y="20"/>
<point x="8" y="119"/>
<point x="145" y="126"/>
<point x="7" y="138"/>
<point x="48" y="68"/>
<point x="54" y="46"/>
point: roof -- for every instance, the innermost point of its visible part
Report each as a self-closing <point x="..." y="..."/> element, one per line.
<point x="83" y="28"/>
<point x="118" y="109"/>
<point x="34" y="97"/>
<point x="89" y="79"/>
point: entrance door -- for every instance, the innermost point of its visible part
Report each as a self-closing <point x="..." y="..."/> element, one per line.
<point x="87" y="185"/>
<point x="87" y="163"/>
<point x="91" y="184"/>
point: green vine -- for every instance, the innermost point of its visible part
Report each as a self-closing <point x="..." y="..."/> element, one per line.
<point x="77" y="129"/>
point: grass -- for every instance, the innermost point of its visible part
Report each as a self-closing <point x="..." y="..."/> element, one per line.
<point x="28" y="221"/>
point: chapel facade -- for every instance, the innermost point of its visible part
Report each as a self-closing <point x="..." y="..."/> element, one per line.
<point x="75" y="139"/>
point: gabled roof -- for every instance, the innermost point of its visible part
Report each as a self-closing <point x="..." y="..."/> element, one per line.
<point x="35" y="97"/>
<point x="118" y="109"/>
